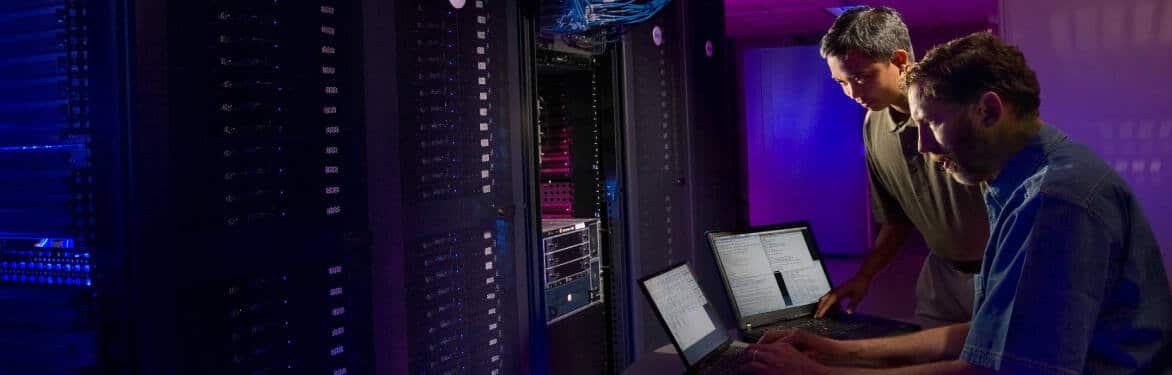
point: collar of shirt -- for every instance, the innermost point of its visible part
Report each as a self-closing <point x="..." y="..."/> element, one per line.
<point x="1022" y="165"/>
<point x="897" y="126"/>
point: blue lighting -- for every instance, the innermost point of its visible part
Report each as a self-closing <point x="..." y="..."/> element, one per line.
<point x="611" y="186"/>
<point x="838" y="11"/>
<point x="43" y="147"/>
<point x="34" y="59"/>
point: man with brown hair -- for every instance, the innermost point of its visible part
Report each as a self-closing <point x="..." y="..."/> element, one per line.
<point x="1072" y="280"/>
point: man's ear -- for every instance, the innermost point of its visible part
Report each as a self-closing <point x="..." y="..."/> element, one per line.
<point x="901" y="60"/>
<point x="990" y="109"/>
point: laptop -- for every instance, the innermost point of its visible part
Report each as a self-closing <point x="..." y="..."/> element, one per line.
<point x="775" y="275"/>
<point x="691" y="322"/>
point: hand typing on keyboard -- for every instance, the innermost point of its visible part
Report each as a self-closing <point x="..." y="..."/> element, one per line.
<point x="797" y="351"/>
<point x="780" y="358"/>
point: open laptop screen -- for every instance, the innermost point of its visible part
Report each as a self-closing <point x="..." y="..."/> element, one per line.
<point x="771" y="270"/>
<point x="686" y="313"/>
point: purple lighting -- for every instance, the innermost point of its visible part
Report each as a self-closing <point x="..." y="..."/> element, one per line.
<point x="1118" y="108"/>
<point x="784" y="18"/>
<point x="803" y="138"/>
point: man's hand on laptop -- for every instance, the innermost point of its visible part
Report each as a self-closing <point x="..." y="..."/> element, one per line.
<point x="779" y="358"/>
<point x="824" y="350"/>
<point x="852" y="291"/>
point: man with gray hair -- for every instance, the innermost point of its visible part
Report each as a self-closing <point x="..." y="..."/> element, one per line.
<point x="867" y="49"/>
<point x="1072" y="279"/>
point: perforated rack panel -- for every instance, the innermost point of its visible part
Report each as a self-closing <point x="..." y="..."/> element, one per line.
<point x="249" y="247"/>
<point x="270" y="111"/>
<point x="657" y="158"/>
<point x="714" y="142"/>
<point x="681" y="170"/>
<point x="457" y="217"/>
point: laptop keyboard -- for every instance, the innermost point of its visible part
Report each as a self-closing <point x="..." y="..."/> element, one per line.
<point x="828" y="327"/>
<point x="823" y="327"/>
<point x="845" y="327"/>
<point x="728" y="362"/>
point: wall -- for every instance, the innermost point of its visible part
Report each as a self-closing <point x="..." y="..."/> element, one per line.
<point x="1100" y="65"/>
<point x="804" y="147"/>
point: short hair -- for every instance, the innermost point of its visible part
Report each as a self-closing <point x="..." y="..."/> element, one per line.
<point x="876" y="32"/>
<point x="962" y="70"/>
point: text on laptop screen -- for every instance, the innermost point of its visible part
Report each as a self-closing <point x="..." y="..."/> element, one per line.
<point x="772" y="270"/>
<point x="677" y="296"/>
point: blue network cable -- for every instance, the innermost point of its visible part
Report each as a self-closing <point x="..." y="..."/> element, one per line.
<point x="577" y="16"/>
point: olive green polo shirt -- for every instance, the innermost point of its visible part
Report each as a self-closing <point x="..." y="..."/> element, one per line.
<point x="907" y="187"/>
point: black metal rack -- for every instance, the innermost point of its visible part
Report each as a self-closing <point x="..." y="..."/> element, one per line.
<point x="46" y="184"/>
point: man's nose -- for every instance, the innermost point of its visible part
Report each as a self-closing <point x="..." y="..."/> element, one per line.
<point x="853" y="90"/>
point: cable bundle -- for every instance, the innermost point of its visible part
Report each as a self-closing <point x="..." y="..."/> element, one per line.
<point x="577" y="16"/>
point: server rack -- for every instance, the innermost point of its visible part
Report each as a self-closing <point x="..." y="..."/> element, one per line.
<point x="244" y="236"/>
<point x="578" y="176"/>
<point x="47" y="192"/>
<point x="450" y="209"/>
<point x="216" y="157"/>
<point x="713" y="139"/>
<point x="182" y="196"/>
<point x="654" y="170"/>
<point x="678" y="173"/>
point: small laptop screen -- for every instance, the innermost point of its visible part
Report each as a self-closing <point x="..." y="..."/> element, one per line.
<point x="690" y="319"/>
<point x="771" y="270"/>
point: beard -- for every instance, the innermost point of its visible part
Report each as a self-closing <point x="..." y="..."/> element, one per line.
<point x="969" y="159"/>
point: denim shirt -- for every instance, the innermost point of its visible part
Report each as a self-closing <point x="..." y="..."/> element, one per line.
<point x="1072" y="280"/>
